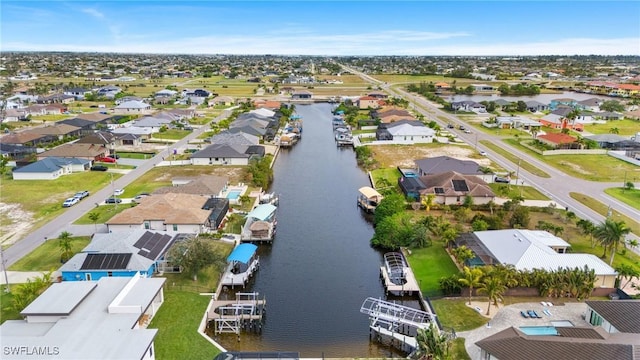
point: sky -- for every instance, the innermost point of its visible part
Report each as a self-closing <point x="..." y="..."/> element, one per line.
<point x="428" y="28"/>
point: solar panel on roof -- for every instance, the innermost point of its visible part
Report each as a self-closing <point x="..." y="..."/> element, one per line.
<point x="438" y="190"/>
<point x="105" y="261"/>
<point x="460" y="185"/>
<point x="143" y="240"/>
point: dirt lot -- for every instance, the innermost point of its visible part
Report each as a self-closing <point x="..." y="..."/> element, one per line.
<point x="404" y="156"/>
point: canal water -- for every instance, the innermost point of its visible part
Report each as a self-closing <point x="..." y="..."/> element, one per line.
<point x="320" y="267"/>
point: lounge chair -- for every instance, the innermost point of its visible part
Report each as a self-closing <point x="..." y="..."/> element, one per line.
<point x="536" y="314"/>
<point x="524" y="314"/>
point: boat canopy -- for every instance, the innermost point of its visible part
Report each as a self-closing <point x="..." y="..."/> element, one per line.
<point x="370" y="193"/>
<point x="262" y="212"/>
<point x="242" y="253"/>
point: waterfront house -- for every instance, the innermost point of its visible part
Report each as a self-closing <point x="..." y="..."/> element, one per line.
<point x="555" y="103"/>
<point x="173" y="212"/>
<point x="536" y="106"/>
<point x="442" y="164"/>
<point x="405" y="132"/>
<point x="204" y="185"/>
<point x="301" y="95"/>
<point x="451" y="188"/>
<point x="533" y="249"/>
<point x="368" y="102"/>
<point x="100" y="320"/>
<point x="226" y="154"/>
<point x="118" y="254"/>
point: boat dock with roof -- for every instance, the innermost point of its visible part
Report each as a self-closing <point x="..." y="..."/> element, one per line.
<point x="397" y="275"/>
<point x="242" y="263"/>
<point x="260" y="225"/>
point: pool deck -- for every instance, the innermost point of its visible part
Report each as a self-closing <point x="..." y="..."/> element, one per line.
<point x="508" y="316"/>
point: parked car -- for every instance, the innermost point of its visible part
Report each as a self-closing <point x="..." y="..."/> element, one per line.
<point x="499" y="179"/>
<point x="81" y="194"/>
<point x="461" y="127"/>
<point x="113" y="200"/>
<point x="99" y="168"/>
<point x="139" y="197"/>
<point x="107" y="159"/>
<point x="70" y="202"/>
<point x="450" y="126"/>
<point x="118" y="192"/>
<point x="114" y="156"/>
<point x="467" y="131"/>
<point x="483" y="153"/>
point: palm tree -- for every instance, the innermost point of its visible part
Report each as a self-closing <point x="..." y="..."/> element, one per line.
<point x="611" y="233"/>
<point x="534" y="131"/>
<point x="432" y="344"/>
<point x="65" y="246"/>
<point x="587" y="228"/>
<point x="427" y="201"/>
<point x="494" y="288"/>
<point x="471" y="279"/>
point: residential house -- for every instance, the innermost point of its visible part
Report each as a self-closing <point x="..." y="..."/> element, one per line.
<point x="451" y="188"/>
<point x="608" y="115"/>
<point x="100" y="320"/>
<point x="25" y="138"/>
<point x="51" y="168"/>
<point x="517" y="122"/>
<point x="591" y="104"/>
<point x="575" y="342"/>
<point x="614" y="142"/>
<point x="132" y="107"/>
<point x="204" y="185"/>
<point x="615" y="317"/>
<point x="555" y="103"/>
<point x="137" y="132"/>
<point x="368" y="102"/>
<point x="109" y="91"/>
<point x="378" y="95"/>
<point x="536" y="106"/>
<point x="118" y="254"/>
<point x="56" y="98"/>
<point x="482" y="88"/>
<point x="533" y="249"/>
<point x="153" y="123"/>
<point x="101" y="138"/>
<point x="442" y="86"/>
<point x="77" y="92"/>
<point x="165" y="93"/>
<point x="172" y="212"/>
<point x="301" y="95"/>
<point x="405" y="132"/>
<point x="75" y="150"/>
<point x="16" y="152"/>
<point x="468" y="105"/>
<point x="442" y="164"/>
<point x="558" y="141"/>
<point x="263" y="112"/>
<point x="126" y="99"/>
<point x="267" y="104"/>
<point x="231" y="137"/>
<point x="57" y="131"/>
<point x="225" y="154"/>
<point x="10" y="115"/>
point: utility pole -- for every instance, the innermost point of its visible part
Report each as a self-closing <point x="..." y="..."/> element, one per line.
<point x="4" y="268"/>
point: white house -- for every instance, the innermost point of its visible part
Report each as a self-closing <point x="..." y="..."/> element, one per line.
<point x="132" y="107"/>
<point x="51" y="168"/>
<point x="105" y="319"/>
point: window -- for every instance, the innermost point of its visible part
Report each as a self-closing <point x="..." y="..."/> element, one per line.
<point x="87" y="276"/>
<point x="147" y="225"/>
<point x="595" y="319"/>
<point x="175" y="227"/>
<point x="109" y="273"/>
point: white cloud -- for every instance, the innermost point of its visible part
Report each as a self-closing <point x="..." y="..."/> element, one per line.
<point x="93" y="12"/>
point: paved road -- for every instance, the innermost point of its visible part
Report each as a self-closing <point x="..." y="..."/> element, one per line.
<point x="65" y="220"/>
<point x="557" y="187"/>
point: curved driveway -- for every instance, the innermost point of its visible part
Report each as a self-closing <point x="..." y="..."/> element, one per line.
<point x="64" y="221"/>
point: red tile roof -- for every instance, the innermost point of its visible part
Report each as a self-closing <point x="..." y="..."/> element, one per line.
<point x="558" y="138"/>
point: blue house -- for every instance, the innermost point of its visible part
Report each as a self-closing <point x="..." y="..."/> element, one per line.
<point x="555" y="103"/>
<point x="119" y="255"/>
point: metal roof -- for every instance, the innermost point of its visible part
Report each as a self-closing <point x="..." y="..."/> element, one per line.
<point x="242" y="253"/>
<point x="262" y="212"/>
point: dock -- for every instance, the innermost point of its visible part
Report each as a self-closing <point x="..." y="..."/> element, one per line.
<point x="397" y="275"/>
<point x="231" y="316"/>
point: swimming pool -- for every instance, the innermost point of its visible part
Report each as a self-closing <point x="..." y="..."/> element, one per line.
<point x="234" y="194"/>
<point x="539" y="330"/>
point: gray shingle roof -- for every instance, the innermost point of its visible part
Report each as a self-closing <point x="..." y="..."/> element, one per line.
<point x="440" y="164"/>
<point x="222" y="151"/>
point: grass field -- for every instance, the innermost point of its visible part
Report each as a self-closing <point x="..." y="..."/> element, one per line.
<point x="177" y="322"/>
<point x="7" y="312"/>
<point x="602" y="209"/>
<point x="458" y="350"/>
<point x="41" y="200"/>
<point x="527" y="192"/>
<point x="593" y="167"/>
<point x="385" y="175"/>
<point x="454" y="313"/>
<point x="105" y="212"/>
<point x="171" y="134"/>
<point x="46" y="257"/>
<point x="625" y="127"/>
<point x="429" y="265"/>
<point x="629" y="197"/>
<point x="514" y="159"/>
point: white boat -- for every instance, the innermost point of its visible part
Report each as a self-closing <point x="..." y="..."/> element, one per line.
<point x="344" y="139"/>
<point x="269" y="198"/>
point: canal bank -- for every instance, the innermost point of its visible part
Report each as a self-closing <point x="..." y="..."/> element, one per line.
<point x="320" y="267"/>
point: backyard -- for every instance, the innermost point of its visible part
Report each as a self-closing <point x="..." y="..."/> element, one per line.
<point x="46" y="257"/>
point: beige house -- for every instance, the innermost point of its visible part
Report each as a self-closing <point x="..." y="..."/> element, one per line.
<point x="75" y="150"/>
<point x="172" y="212"/>
<point x="451" y="188"/>
<point x="368" y="102"/>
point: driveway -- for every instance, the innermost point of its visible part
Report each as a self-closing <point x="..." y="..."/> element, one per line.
<point x="509" y="316"/>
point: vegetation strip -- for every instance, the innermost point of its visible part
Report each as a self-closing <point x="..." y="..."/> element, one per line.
<point x="514" y="159"/>
<point x="630" y="197"/>
<point x="602" y="209"/>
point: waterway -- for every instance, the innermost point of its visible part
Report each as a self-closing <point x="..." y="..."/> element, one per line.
<point x="320" y="267"/>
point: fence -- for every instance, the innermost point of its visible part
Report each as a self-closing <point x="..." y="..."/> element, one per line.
<point x="574" y="152"/>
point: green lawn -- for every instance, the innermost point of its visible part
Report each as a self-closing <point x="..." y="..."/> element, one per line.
<point x="625" y="127"/>
<point x="514" y="159"/>
<point x="602" y="209"/>
<point x="177" y="322"/>
<point x="458" y="351"/>
<point x="46" y="257"/>
<point x="385" y="175"/>
<point x="43" y="198"/>
<point x="629" y="197"/>
<point x="7" y="312"/>
<point x="454" y="313"/>
<point x="171" y="134"/>
<point x="593" y="167"/>
<point x="528" y="192"/>
<point x="105" y="213"/>
<point x="429" y="265"/>
<point x="132" y="155"/>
